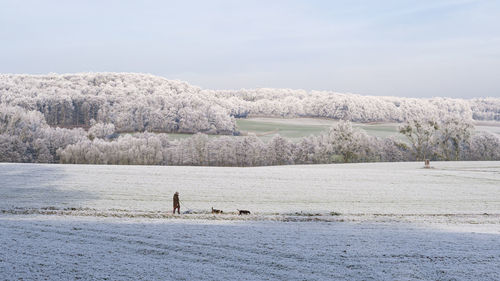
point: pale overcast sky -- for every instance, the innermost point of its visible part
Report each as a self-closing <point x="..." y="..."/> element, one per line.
<point x="400" y="48"/>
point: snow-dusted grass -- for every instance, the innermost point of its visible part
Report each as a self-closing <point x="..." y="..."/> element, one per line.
<point x="488" y="126"/>
<point x="266" y="128"/>
<point x="301" y="127"/>
<point x="60" y="248"/>
<point x="382" y="130"/>
<point x="365" y="188"/>
<point x="321" y="222"/>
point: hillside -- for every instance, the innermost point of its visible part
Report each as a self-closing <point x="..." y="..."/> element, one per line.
<point x="88" y="118"/>
<point x="141" y="102"/>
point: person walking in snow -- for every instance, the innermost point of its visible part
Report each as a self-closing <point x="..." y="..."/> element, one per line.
<point x="177" y="204"/>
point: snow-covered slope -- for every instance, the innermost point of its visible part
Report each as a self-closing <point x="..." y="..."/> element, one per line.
<point x="63" y="248"/>
<point x="393" y="221"/>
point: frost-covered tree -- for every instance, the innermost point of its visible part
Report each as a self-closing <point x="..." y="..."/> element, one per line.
<point x="350" y="144"/>
<point x="446" y="139"/>
<point x="394" y="150"/>
<point x="307" y="151"/>
<point x="484" y="146"/>
<point x="422" y="136"/>
<point x="27" y="135"/>
<point x="101" y="130"/>
<point x="280" y="151"/>
<point x="12" y="149"/>
<point x="454" y="136"/>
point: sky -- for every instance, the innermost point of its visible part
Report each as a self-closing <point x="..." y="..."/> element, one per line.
<point x="448" y="48"/>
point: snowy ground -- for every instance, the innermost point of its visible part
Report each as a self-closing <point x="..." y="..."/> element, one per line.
<point x="62" y="248"/>
<point x="354" y="221"/>
<point x="366" y="188"/>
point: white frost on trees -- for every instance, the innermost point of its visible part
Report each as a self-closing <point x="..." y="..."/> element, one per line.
<point x="101" y="130"/>
<point x="122" y="110"/>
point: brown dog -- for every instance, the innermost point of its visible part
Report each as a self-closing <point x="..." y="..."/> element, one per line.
<point x="244" y="212"/>
<point x="215" y="211"/>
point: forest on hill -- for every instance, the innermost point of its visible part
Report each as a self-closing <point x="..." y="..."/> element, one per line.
<point x="120" y="118"/>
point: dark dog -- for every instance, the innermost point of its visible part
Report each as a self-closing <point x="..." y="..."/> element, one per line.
<point x="215" y="211"/>
<point x="244" y="212"/>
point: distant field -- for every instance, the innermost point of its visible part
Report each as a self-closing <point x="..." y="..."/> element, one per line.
<point x="488" y="126"/>
<point x="295" y="128"/>
<point x="301" y="127"/>
<point x="266" y="128"/>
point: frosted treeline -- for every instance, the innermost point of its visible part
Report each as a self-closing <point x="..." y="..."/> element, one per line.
<point x="122" y="119"/>
<point x="26" y="137"/>
<point x="351" y="107"/>
<point x="139" y="102"/>
<point x="131" y="102"/>
<point x="341" y="144"/>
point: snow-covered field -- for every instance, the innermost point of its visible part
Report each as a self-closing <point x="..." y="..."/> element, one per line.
<point x="489" y="126"/>
<point x="351" y="221"/>
<point x="301" y="127"/>
<point x="62" y="248"/>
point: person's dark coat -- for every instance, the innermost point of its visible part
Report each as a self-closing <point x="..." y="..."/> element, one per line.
<point x="176" y="200"/>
